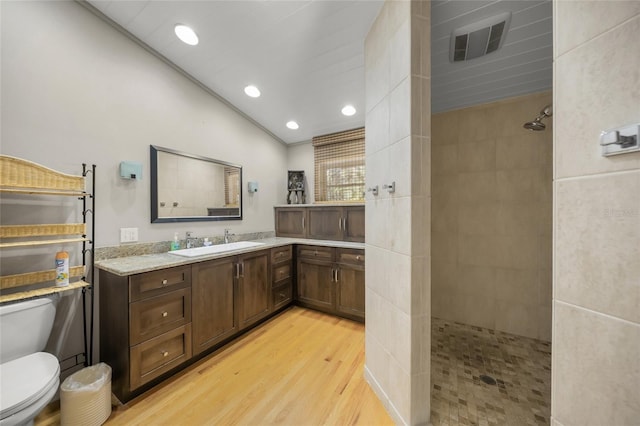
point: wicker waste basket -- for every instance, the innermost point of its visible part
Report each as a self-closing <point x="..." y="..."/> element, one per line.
<point x="85" y="396"/>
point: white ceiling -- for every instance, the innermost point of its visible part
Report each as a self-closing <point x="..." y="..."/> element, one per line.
<point x="522" y="65"/>
<point x="307" y="56"/>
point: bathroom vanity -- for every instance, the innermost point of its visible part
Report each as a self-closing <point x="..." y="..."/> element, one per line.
<point x="159" y="313"/>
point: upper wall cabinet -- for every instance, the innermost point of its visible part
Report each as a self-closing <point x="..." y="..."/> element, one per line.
<point x="321" y="223"/>
<point x="187" y="187"/>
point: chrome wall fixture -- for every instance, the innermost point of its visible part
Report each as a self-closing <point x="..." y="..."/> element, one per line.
<point x="373" y="190"/>
<point x="537" y="124"/>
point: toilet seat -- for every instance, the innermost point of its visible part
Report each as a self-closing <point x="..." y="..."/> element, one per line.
<point x="25" y="380"/>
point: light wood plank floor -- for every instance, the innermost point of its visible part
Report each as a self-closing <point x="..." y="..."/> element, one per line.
<point x="300" y="368"/>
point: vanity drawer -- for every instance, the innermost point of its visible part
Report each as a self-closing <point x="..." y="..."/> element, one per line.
<point x="154" y="283"/>
<point x="351" y="256"/>
<point x="280" y="254"/>
<point x="155" y="357"/>
<point x="316" y="252"/>
<point x="154" y="316"/>
<point x="281" y="272"/>
<point x="282" y="294"/>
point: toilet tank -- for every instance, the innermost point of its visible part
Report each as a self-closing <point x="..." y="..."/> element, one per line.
<point x="25" y="327"/>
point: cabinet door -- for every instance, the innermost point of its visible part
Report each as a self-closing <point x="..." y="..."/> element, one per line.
<point x="325" y="223"/>
<point x="350" y="291"/>
<point x="354" y="224"/>
<point x="254" y="289"/>
<point x="291" y="222"/>
<point x="214" y="310"/>
<point x="315" y="284"/>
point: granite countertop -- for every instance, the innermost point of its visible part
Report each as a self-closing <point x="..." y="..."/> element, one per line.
<point x="321" y="205"/>
<point x="124" y="266"/>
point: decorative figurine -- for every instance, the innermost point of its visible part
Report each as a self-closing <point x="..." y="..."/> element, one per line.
<point x="296" y="186"/>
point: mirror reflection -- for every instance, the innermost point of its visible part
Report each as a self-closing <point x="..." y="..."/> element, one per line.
<point x="188" y="187"/>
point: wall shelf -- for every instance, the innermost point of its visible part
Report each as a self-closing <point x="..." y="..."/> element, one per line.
<point x="23" y="177"/>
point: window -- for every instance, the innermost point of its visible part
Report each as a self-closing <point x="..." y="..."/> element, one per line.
<point x="339" y="166"/>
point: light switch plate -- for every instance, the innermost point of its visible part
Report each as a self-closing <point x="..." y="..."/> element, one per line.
<point x="128" y="235"/>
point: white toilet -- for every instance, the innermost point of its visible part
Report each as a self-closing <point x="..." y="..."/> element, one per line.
<point x="29" y="379"/>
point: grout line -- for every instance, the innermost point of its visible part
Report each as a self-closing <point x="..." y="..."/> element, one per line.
<point x="597" y="175"/>
<point x="595" y="37"/>
<point x="608" y="316"/>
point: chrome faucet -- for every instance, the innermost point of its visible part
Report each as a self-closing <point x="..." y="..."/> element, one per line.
<point x="227" y="235"/>
<point x="190" y="240"/>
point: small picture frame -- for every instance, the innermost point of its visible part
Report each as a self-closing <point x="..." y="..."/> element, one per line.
<point x="296" y="180"/>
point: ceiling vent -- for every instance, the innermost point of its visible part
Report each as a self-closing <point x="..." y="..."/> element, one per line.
<point x="479" y="38"/>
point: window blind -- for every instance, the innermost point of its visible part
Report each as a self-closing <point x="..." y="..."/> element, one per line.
<point x="339" y="166"/>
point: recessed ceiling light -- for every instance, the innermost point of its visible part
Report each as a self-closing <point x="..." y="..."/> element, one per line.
<point x="292" y="125"/>
<point x="186" y="34"/>
<point x="252" y="91"/>
<point x="348" y="110"/>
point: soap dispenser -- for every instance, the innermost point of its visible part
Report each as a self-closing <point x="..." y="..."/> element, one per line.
<point x="175" y="244"/>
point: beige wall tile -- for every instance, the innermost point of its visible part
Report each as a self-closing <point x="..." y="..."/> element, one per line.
<point x="376" y="60"/>
<point x="399" y="234"/>
<point x="523" y="185"/>
<point x="378" y="274"/>
<point x="477" y="219"/>
<point x="400" y="111"/>
<point x="399" y="282"/>
<point x="475" y="281"/>
<point x="597" y="246"/>
<point x="518" y="286"/>
<point x="400" y="51"/>
<point x="520" y="218"/>
<point x="399" y="324"/>
<point x="584" y="20"/>
<point x="377" y="359"/>
<point x="420" y="392"/>
<point x="399" y="389"/>
<point x="420" y="166"/>
<point x="400" y="168"/>
<point x="586" y="102"/>
<point x="477" y="310"/>
<point x="444" y="246"/>
<point x="476" y="188"/>
<point x="444" y="160"/>
<point x="376" y="129"/>
<point x="477" y="156"/>
<point x="477" y="250"/>
<point x="420" y="226"/>
<point x="517" y="252"/>
<point x="517" y="318"/>
<point x="376" y="215"/>
<point x="421" y="286"/>
<point x="596" y="367"/>
<point x="523" y="152"/>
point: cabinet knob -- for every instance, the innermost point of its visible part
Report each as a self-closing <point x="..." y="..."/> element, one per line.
<point x="358" y="258"/>
<point x="165" y="353"/>
<point x="315" y="253"/>
<point x="164" y="282"/>
<point x="165" y="313"/>
<point x="281" y="272"/>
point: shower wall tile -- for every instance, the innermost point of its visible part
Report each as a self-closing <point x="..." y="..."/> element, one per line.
<point x="586" y="105"/>
<point x="497" y="183"/>
<point x="399" y="288"/>
<point x="597" y="249"/>
<point x="400" y="111"/>
<point x="377" y="128"/>
<point x="477" y="156"/>
<point x="583" y="21"/>
<point x="596" y="367"/>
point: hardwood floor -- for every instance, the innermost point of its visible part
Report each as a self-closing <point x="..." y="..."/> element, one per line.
<point x="300" y="368"/>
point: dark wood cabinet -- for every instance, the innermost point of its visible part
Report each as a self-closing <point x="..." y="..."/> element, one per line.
<point x="215" y="312"/>
<point x="254" y="287"/>
<point x="145" y="325"/>
<point x="325" y="223"/>
<point x="353" y="229"/>
<point x="281" y="277"/>
<point x="291" y="222"/>
<point x="321" y="223"/>
<point x="331" y="280"/>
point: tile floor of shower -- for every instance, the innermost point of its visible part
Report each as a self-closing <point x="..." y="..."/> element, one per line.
<point x="521" y="367"/>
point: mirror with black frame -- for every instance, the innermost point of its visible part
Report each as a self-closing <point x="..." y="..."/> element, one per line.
<point x="189" y="188"/>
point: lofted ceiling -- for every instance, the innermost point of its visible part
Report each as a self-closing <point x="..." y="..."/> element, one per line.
<point x="307" y="56"/>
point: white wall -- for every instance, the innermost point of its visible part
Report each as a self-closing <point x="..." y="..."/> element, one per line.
<point x="76" y="90"/>
<point x="300" y="157"/>
<point x="595" y="372"/>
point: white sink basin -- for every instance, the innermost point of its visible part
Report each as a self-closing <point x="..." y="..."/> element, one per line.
<point x="220" y="248"/>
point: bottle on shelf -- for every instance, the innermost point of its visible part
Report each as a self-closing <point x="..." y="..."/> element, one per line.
<point x="62" y="269"/>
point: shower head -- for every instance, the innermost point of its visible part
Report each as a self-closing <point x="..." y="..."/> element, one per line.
<point x="537" y="124"/>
